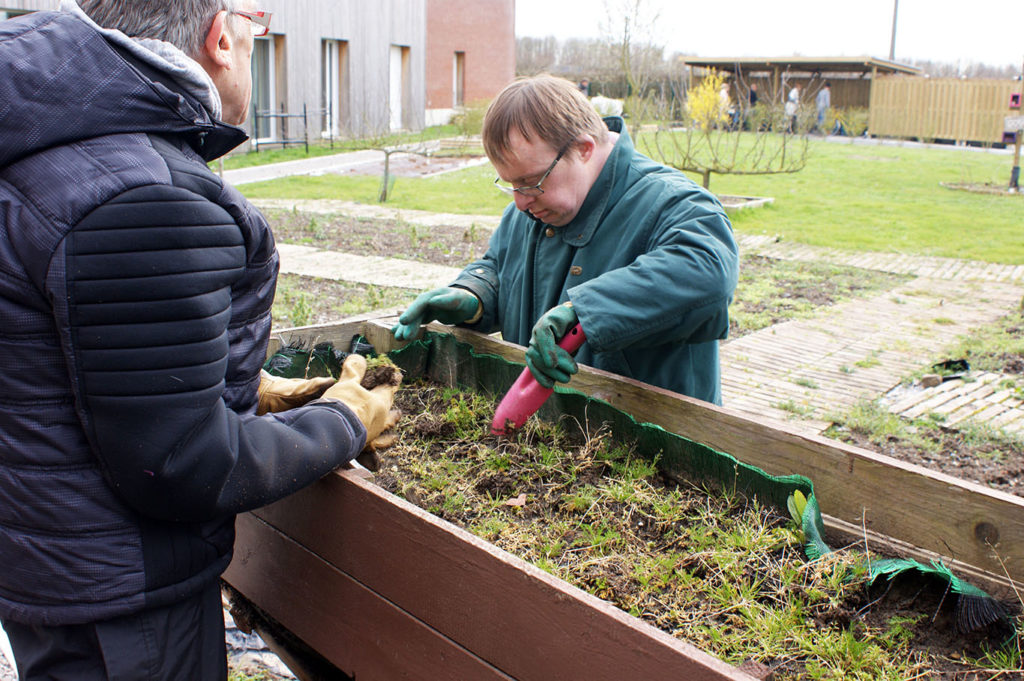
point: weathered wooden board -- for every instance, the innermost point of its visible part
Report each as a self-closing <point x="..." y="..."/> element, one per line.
<point x="354" y="628"/>
<point x="315" y="560"/>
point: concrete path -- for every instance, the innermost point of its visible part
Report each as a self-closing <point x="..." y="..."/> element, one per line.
<point x="316" y="262"/>
<point x="7" y="672"/>
<point x="807" y="368"/>
<point x="367" y="159"/>
<point x="337" y="163"/>
<point x="379" y="212"/>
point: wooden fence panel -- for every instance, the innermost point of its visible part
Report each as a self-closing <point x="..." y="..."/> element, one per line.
<point x="940" y="108"/>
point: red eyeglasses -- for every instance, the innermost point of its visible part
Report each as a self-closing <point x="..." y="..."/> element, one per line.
<point x="260" y="21"/>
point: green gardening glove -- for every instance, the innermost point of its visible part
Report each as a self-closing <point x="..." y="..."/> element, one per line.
<point x="547" y="362"/>
<point x="447" y="305"/>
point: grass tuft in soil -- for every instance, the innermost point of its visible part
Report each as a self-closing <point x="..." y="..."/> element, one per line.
<point x="979" y="453"/>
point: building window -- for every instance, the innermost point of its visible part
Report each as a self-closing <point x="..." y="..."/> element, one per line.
<point x="398" y="88"/>
<point x="459" y="86"/>
<point x="335" y="87"/>
<point x="263" y="87"/>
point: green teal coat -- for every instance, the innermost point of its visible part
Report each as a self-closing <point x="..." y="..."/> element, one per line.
<point x="649" y="263"/>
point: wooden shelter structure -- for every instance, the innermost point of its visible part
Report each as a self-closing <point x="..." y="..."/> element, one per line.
<point x="900" y="101"/>
<point x="850" y="77"/>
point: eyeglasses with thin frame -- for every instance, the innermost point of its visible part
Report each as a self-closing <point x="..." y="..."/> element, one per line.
<point x="533" y="190"/>
<point x="259" y="20"/>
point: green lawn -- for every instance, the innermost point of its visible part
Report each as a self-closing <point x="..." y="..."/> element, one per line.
<point x="880" y="198"/>
<point x="469" y="191"/>
<point x="857" y="197"/>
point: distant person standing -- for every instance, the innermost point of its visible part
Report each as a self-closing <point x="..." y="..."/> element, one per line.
<point x="793" y="107"/>
<point x="823" y="101"/>
<point x="751" y="103"/>
<point x="584" y="87"/>
<point x="724" y="102"/>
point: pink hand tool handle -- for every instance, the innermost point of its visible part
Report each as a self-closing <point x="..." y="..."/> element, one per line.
<point x="526" y="394"/>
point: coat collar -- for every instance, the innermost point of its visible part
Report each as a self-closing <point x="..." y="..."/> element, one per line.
<point x="580" y="231"/>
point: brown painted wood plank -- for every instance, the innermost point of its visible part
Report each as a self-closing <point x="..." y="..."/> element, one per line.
<point x="361" y="633"/>
<point x="518" y="618"/>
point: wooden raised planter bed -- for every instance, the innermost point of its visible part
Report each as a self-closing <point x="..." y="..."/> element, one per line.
<point x="384" y="590"/>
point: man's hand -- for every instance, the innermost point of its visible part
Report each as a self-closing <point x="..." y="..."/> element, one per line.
<point x="447" y="305"/>
<point x="372" y="407"/>
<point x="280" y="394"/>
<point x="549" y="363"/>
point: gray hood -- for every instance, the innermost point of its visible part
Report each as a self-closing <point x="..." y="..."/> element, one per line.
<point x="63" y="80"/>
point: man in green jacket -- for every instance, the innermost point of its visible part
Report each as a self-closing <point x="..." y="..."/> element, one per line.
<point x="598" y="234"/>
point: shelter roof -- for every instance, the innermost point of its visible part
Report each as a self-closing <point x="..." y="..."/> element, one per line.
<point x="861" y="65"/>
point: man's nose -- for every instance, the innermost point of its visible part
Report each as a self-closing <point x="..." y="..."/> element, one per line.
<point x="523" y="202"/>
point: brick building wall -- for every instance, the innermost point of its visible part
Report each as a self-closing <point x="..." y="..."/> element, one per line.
<point x="484" y="32"/>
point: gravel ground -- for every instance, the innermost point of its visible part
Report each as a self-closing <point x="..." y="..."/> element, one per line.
<point x="7" y="672"/>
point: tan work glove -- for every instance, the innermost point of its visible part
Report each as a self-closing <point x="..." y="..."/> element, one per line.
<point x="373" y="407"/>
<point x="280" y="394"/>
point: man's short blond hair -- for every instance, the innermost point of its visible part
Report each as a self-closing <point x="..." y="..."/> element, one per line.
<point x="549" y="108"/>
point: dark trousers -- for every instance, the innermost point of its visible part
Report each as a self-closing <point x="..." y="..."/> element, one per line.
<point x="181" y="641"/>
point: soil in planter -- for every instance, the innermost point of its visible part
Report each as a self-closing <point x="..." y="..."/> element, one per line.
<point x="706" y="565"/>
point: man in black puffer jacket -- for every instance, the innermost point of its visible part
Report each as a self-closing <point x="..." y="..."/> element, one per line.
<point x="135" y="289"/>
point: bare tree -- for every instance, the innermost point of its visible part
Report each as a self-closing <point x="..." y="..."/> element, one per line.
<point x="722" y="137"/>
<point x="390" y="142"/>
<point x="697" y="131"/>
<point x="629" y="30"/>
<point x="960" y="69"/>
<point x="536" y="55"/>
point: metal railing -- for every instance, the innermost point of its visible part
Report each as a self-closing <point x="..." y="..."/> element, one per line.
<point x="284" y="139"/>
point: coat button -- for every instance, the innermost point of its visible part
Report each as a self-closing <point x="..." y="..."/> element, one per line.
<point x="549" y="232"/>
<point x="576" y="270"/>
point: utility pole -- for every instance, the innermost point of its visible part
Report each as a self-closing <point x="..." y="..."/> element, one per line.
<point x="892" y="43"/>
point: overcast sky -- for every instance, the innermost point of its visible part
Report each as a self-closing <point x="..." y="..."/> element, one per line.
<point x="986" y="31"/>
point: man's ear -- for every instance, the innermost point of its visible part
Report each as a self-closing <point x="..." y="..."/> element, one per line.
<point x="585" y="145"/>
<point x="219" y="42"/>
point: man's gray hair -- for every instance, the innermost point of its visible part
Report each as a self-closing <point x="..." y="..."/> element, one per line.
<point x="183" y="23"/>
